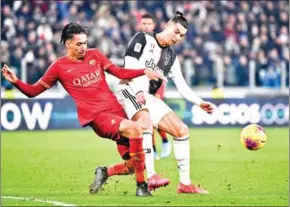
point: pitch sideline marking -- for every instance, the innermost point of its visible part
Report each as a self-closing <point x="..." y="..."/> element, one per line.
<point x="57" y="203"/>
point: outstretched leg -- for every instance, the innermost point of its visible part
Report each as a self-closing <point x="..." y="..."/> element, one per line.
<point x="144" y="120"/>
<point x="116" y="127"/>
<point x="173" y="125"/>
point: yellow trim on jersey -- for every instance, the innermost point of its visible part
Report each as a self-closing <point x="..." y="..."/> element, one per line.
<point x="108" y="65"/>
<point x="44" y="84"/>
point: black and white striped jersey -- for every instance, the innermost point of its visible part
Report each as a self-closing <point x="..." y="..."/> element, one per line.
<point x="150" y="54"/>
<point x="144" y="51"/>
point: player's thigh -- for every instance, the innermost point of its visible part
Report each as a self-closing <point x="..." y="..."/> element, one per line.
<point x="117" y="127"/>
<point x="127" y="100"/>
<point x="157" y="109"/>
<point x="106" y="124"/>
<point x="173" y="125"/>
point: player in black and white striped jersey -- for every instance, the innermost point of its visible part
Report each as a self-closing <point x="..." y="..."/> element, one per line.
<point x="148" y="25"/>
<point x="153" y="51"/>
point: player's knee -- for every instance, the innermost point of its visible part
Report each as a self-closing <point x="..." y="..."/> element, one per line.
<point x="135" y="130"/>
<point x="144" y="120"/>
<point x="182" y="131"/>
<point x="130" y="129"/>
<point x="146" y="124"/>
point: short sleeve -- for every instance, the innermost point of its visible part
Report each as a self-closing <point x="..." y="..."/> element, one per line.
<point x="136" y="46"/>
<point x="50" y="77"/>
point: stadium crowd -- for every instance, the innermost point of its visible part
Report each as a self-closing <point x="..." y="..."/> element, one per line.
<point x="237" y="33"/>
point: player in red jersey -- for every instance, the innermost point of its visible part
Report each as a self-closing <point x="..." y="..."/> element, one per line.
<point x="148" y="24"/>
<point x="81" y="72"/>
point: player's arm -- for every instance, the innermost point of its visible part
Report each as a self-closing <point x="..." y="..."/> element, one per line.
<point x="29" y="90"/>
<point x="133" y="54"/>
<point x="176" y="75"/>
<point x="125" y="73"/>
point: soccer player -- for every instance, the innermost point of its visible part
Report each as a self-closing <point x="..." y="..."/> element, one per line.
<point x="148" y="24"/>
<point x="136" y="95"/>
<point x="81" y="72"/>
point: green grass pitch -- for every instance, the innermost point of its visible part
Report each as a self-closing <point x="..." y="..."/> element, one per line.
<point x="59" y="166"/>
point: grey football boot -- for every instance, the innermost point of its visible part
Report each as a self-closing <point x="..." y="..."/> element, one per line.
<point x="142" y="189"/>
<point x="100" y="179"/>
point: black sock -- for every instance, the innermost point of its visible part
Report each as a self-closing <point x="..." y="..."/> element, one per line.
<point x="154" y="148"/>
<point x="164" y="140"/>
<point x="140" y="183"/>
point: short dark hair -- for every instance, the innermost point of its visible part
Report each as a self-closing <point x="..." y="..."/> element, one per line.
<point x="70" y="30"/>
<point x="148" y="16"/>
<point x="179" y="18"/>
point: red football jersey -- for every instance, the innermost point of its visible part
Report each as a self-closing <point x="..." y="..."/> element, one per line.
<point x="85" y="82"/>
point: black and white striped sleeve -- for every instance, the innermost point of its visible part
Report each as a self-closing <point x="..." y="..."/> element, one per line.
<point x="136" y="46"/>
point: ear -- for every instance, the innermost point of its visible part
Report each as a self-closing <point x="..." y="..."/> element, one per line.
<point x="169" y="23"/>
<point x="166" y="25"/>
<point x="67" y="43"/>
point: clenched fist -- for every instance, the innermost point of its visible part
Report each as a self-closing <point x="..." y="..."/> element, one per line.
<point x="207" y="106"/>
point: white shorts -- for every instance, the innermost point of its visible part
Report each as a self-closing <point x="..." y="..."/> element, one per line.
<point x="156" y="107"/>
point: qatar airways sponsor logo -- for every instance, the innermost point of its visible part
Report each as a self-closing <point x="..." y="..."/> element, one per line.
<point x="88" y="79"/>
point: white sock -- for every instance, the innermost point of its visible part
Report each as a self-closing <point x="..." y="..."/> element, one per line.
<point x="182" y="155"/>
<point x="149" y="154"/>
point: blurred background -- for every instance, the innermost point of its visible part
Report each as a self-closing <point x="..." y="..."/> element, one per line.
<point x="235" y="54"/>
<point x="233" y="49"/>
<point x="243" y="44"/>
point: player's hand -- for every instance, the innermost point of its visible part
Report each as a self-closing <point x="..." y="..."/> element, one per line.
<point x="140" y="98"/>
<point x="154" y="75"/>
<point x="8" y="74"/>
<point x="207" y="106"/>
